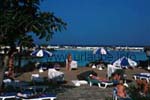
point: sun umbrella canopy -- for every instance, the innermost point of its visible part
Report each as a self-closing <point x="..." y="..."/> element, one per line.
<point x="41" y="53"/>
<point x="125" y="62"/>
<point x="100" y="51"/>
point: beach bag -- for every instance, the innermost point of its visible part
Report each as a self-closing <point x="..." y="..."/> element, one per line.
<point x="84" y="75"/>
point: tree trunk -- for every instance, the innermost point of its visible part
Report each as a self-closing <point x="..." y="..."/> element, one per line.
<point x="2" y="70"/>
<point x="3" y="66"/>
<point x="20" y="57"/>
<point x="11" y="54"/>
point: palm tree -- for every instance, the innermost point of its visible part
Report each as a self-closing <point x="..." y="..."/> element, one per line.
<point x="19" y="17"/>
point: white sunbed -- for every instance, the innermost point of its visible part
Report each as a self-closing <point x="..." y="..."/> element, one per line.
<point x="101" y="84"/>
<point x="37" y="78"/>
<point x="8" y="96"/>
<point x="38" y="97"/>
<point x="145" y="76"/>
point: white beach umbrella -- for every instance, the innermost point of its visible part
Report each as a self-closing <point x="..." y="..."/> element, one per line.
<point x="41" y="53"/>
<point x="125" y="62"/>
<point x="100" y="51"/>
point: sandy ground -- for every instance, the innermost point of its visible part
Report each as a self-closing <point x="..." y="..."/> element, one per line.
<point x="72" y="75"/>
<point x="68" y="91"/>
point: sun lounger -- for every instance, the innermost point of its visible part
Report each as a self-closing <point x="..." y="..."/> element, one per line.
<point x="35" y="93"/>
<point x="8" y="96"/>
<point x="101" y="84"/>
<point x="145" y="76"/>
<point x="16" y="84"/>
<point x="44" y="96"/>
<point x="37" y="78"/>
<point x="35" y="89"/>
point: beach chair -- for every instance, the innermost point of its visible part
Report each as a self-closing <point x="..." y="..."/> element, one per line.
<point x="44" y="96"/>
<point x="140" y="76"/>
<point x="37" y="78"/>
<point x="101" y="84"/>
<point x="8" y="96"/>
<point x="73" y="65"/>
<point x="35" y="93"/>
<point x="16" y="84"/>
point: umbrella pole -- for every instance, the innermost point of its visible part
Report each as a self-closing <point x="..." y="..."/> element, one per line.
<point x="47" y="60"/>
<point x="148" y="64"/>
<point x="99" y="65"/>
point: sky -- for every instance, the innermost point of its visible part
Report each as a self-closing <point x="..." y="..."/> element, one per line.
<point x="101" y="22"/>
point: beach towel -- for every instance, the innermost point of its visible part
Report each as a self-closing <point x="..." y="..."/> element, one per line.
<point x="53" y="74"/>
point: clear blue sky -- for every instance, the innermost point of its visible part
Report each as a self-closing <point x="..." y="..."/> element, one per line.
<point x="101" y="22"/>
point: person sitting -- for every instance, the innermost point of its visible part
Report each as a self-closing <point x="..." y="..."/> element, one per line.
<point x="121" y="91"/>
<point x="142" y="86"/>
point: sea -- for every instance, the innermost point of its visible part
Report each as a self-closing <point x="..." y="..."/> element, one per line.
<point x="85" y="56"/>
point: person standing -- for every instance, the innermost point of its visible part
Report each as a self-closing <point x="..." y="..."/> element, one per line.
<point x="68" y="61"/>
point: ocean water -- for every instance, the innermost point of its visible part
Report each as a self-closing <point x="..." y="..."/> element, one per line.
<point x="83" y="57"/>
